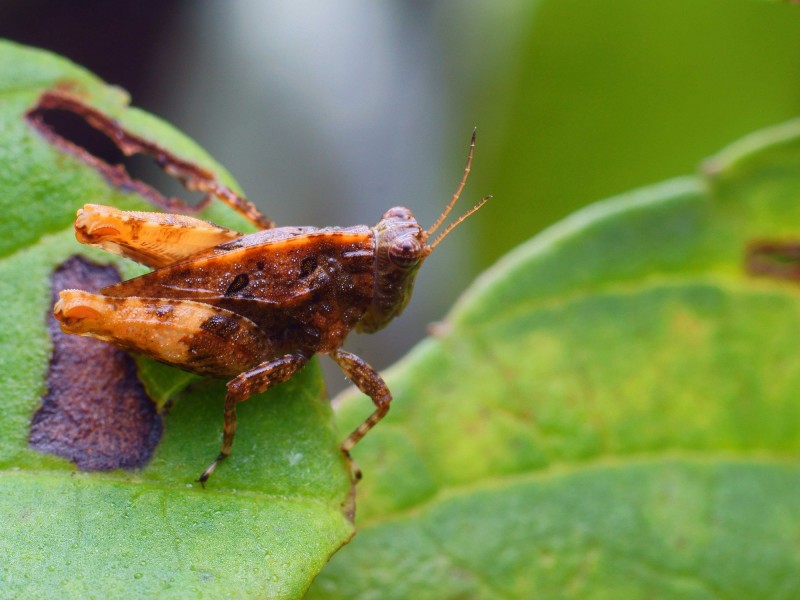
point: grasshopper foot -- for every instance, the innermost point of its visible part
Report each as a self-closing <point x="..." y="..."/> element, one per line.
<point x="355" y="470"/>
<point x="207" y="473"/>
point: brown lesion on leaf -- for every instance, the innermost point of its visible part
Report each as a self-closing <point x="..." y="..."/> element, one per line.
<point x="192" y="177"/>
<point x="96" y="412"/>
<point x="775" y="259"/>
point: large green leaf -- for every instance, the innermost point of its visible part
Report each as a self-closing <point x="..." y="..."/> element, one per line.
<point x="271" y="515"/>
<point x="611" y="411"/>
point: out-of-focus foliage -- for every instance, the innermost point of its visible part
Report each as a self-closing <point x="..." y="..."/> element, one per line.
<point x="599" y="97"/>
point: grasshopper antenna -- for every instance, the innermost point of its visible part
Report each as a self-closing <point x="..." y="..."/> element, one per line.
<point x="454" y="199"/>
<point x="459" y="189"/>
<point x="452" y="225"/>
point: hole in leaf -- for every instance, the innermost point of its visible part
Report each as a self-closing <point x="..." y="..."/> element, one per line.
<point x="143" y="168"/>
<point x="73" y="129"/>
<point x="129" y="161"/>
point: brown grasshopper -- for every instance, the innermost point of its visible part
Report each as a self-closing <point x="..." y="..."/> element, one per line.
<point x="253" y="308"/>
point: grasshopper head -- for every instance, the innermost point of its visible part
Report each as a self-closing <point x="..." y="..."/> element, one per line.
<point x="401" y="247"/>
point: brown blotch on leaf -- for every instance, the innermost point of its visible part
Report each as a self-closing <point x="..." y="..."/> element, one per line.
<point x="191" y="176"/>
<point x="96" y="412"/>
<point x="775" y="259"/>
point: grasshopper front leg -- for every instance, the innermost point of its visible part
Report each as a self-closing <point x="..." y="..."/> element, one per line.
<point x="370" y="383"/>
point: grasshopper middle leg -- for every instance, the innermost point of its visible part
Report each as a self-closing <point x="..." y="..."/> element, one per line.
<point x="240" y="388"/>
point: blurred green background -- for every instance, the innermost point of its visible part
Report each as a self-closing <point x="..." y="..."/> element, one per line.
<point x="330" y="113"/>
<point x="608" y="96"/>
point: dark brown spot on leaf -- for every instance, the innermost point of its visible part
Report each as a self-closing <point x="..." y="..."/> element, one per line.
<point x="95" y="412"/>
<point x="241" y="281"/>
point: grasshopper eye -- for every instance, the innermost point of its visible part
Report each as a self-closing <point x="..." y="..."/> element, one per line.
<point x="405" y="252"/>
<point x="398" y="212"/>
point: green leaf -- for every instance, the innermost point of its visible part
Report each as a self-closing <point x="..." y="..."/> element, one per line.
<point x="610" y="412"/>
<point x="271" y="515"/>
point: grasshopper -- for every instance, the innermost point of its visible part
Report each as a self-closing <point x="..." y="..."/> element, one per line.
<point x="253" y="308"/>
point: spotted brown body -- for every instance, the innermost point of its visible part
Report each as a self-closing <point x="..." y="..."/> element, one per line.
<point x="252" y="308"/>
